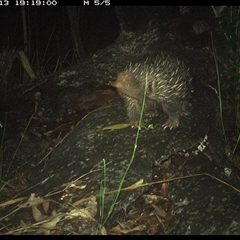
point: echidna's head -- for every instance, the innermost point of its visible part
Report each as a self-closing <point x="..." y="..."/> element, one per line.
<point x="125" y="84"/>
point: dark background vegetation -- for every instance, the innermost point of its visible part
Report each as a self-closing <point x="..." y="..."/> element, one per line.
<point x="49" y="43"/>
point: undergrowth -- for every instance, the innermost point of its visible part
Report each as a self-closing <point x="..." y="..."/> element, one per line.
<point x="227" y="39"/>
<point x="103" y="218"/>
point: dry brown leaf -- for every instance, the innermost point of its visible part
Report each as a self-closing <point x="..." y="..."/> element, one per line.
<point x="116" y="229"/>
<point x="32" y="201"/>
<point x="151" y="198"/>
<point x="119" y="229"/>
<point x="102" y="230"/>
<point x="23" y="225"/>
<point x="124" y="224"/>
<point x="92" y="206"/>
<point x="45" y="206"/>
<point x="37" y="215"/>
<point x="160" y="220"/>
<point x="134" y="211"/>
<point x="164" y="189"/>
<point x="88" y="212"/>
<point x="138" y="228"/>
<point x="52" y="221"/>
<point x="159" y="211"/>
<point x="84" y="213"/>
<point x="44" y="226"/>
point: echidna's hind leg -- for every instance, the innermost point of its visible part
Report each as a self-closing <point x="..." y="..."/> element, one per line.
<point x="174" y="111"/>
